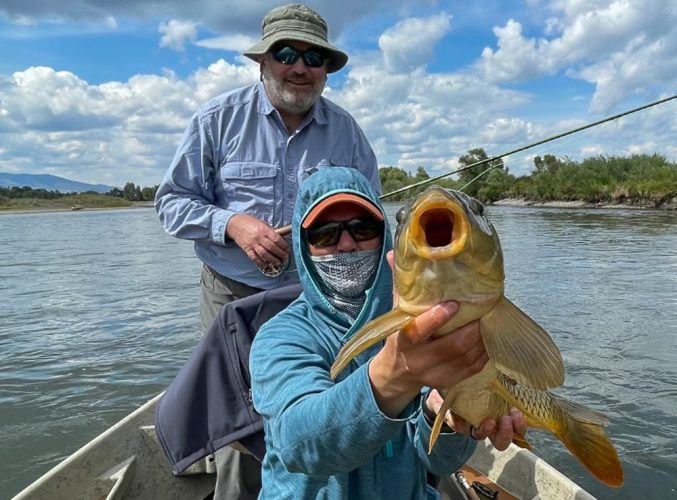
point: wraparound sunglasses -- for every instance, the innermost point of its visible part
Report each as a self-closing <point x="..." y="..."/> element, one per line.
<point x="329" y="233"/>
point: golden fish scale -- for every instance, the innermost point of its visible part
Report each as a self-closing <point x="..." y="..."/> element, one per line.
<point x="422" y="283"/>
<point x="537" y="405"/>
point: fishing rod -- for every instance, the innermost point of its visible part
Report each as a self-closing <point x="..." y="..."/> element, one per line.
<point x="283" y="231"/>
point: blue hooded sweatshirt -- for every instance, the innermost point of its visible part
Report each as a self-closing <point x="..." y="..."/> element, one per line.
<point x="324" y="438"/>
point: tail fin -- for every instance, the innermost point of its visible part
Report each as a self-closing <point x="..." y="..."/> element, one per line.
<point x="585" y="437"/>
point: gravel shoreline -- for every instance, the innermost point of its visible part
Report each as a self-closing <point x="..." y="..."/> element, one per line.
<point x="521" y="202"/>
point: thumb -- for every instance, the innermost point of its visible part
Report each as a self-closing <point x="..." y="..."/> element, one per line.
<point x="430" y="321"/>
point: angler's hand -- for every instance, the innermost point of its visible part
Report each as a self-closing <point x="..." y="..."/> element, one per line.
<point x="258" y="240"/>
<point x="500" y="433"/>
<point x="412" y="359"/>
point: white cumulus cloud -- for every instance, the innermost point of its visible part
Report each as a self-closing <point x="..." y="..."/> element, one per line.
<point x="176" y="33"/>
<point x="411" y="42"/>
<point x="109" y="133"/>
<point x="619" y="46"/>
<point x="235" y="43"/>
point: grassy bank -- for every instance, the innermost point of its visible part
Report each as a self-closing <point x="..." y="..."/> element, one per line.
<point x="84" y="200"/>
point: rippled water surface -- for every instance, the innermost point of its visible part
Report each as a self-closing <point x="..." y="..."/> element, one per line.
<point x="99" y="309"/>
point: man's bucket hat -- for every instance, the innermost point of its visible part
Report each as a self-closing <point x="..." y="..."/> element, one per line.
<point x="300" y="23"/>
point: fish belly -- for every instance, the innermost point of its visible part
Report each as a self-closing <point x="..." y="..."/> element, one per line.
<point x="474" y="399"/>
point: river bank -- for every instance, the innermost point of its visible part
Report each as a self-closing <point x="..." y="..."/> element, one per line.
<point x="507" y="202"/>
<point x="670" y="204"/>
<point x="135" y="204"/>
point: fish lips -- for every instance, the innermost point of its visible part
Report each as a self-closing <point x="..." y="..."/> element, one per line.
<point x="439" y="228"/>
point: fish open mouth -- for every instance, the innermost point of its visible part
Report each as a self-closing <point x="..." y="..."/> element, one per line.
<point x="438" y="227"/>
<point x="441" y="230"/>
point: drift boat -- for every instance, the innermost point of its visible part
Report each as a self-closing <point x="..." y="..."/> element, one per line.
<point x="127" y="462"/>
<point x="163" y="449"/>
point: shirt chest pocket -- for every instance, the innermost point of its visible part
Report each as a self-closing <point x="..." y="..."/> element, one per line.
<point x="250" y="187"/>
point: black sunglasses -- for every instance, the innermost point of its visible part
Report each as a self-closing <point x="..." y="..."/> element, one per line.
<point x="285" y="54"/>
<point x="329" y="233"/>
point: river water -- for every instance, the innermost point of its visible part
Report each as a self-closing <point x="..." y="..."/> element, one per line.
<point x="98" y="311"/>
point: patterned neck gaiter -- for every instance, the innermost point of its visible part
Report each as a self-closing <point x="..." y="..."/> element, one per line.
<point x="345" y="277"/>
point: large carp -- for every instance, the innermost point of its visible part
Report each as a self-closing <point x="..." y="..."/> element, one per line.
<point x="446" y="249"/>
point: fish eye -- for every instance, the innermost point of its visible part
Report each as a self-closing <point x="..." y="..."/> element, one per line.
<point x="399" y="216"/>
<point x="479" y="207"/>
<point x="475" y="205"/>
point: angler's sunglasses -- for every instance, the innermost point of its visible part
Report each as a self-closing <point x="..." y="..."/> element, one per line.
<point x="285" y="54"/>
<point x="329" y="233"/>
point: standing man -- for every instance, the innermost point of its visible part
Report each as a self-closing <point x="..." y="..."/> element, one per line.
<point x="236" y="171"/>
<point x="235" y="174"/>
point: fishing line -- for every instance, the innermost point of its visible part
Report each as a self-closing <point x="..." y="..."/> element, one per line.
<point x="479" y="175"/>
<point x="282" y="231"/>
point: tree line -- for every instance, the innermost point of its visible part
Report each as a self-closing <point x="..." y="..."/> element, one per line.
<point x="130" y="192"/>
<point x="638" y="179"/>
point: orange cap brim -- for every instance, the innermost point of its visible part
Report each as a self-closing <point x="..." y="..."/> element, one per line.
<point x="347" y="198"/>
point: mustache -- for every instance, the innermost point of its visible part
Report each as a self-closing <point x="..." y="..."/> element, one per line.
<point x="299" y="82"/>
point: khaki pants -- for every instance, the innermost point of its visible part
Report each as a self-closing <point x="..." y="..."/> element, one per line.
<point x="238" y="475"/>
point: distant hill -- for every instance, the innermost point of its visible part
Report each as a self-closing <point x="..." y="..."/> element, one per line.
<point x="50" y="183"/>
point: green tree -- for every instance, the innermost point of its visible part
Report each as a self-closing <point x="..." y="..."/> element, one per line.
<point x="473" y="156"/>
<point x="496" y="183"/>
<point x="476" y="180"/>
<point x="148" y="193"/>
<point x="392" y="179"/>
<point x="421" y="175"/>
<point x="131" y="192"/>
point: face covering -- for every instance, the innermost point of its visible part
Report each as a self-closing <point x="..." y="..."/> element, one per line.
<point x="345" y="277"/>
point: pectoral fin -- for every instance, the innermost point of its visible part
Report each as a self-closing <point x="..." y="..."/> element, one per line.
<point x="439" y="420"/>
<point x="520" y="348"/>
<point x="371" y="333"/>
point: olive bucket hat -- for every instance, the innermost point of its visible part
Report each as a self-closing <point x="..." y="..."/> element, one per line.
<point x="300" y="23"/>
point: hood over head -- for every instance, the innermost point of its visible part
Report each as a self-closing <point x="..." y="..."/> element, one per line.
<point x="312" y="193"/>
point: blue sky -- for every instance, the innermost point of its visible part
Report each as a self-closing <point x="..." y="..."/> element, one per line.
<point x="100" y="90"/>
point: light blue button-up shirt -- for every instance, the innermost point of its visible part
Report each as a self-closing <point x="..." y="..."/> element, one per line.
<point x="236" y="156"/>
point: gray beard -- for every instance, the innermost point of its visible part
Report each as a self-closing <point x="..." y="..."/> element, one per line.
<point x="286" y="100"/>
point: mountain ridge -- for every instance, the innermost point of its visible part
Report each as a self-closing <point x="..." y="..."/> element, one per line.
<point x="50" y="183"/>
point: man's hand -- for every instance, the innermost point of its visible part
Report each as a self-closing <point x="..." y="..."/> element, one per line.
<point x="500" y="433"/>
<point x="258" y="240"/>
<point x="412" y="358"/>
